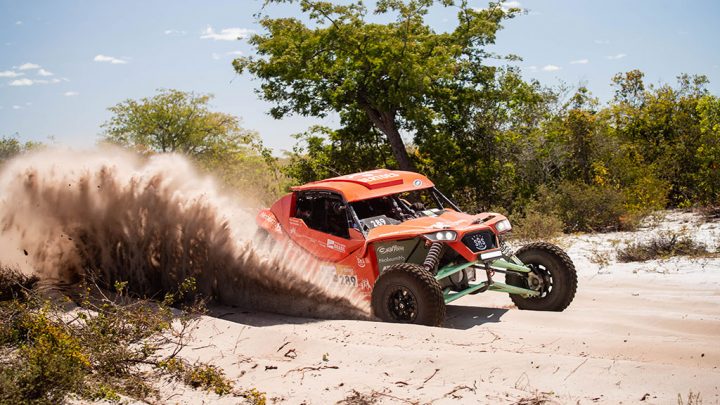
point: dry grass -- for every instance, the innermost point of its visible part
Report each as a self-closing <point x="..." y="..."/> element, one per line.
<point x="662" y="247"/>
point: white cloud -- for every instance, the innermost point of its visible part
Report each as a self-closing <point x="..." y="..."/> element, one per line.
<point x="175" y="32"/>
<point x="602" y="41"/>
<point x="218" y="56"/>
<point x="580" y="62"/>
<point x="10" y="73"/>
<point x="28" y="66"/>
<point x="551" y="68"/>
<point x="16" y="107"/>
<point x="18" y="22"/>
<point x="511" y="4"/>
<point x="30" y="82"/>
<point x="71" y="94"/>
<point x="532" y="68"/>
<point x="109" y="59"/>
<point x="616" y="57"/>
<point x="43" y="72"/>
<point x="226" y="34"/>
<point x="22" y="82"/>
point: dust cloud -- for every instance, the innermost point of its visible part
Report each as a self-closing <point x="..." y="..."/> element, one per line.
<point x="107" y="215"/>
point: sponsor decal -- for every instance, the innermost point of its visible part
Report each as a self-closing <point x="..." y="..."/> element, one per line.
<point x="336" y="246"/>
<point x="270" y="219"/>
<point x="417" y="183"/>
<point x="479" y="242"/>
<point x="391" y="259"/>
<point x="370" y="176"/>
<point x="391" y="249"/>
<point x="361" y="262"/>
<point x="364" y="285"/>
<point x="344" y="271"/>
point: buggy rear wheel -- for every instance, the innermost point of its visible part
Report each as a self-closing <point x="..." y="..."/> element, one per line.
<point x="407" y="293"/>
<point x="553" y="275"/>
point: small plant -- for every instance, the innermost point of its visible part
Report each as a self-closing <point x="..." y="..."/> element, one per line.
<point x="693" y="399"/>
<point x="601" y="258"/>
<point x="254" y="396"/>
<point x="662" y="247"/>
<point x="198" y="375"/>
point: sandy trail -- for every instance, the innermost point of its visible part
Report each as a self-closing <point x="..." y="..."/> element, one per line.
<point x="630" y="336"/>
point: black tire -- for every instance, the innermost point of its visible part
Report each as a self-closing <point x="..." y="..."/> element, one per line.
<point x="554" y="268"/>
<point x="407" y="293"/>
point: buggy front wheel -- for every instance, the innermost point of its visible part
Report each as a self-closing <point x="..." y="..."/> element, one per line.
<point x="553" y="276"/>
<point x="407" y="293"/>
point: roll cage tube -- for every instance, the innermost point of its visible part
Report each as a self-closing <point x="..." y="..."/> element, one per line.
<point x="439" y="197"/>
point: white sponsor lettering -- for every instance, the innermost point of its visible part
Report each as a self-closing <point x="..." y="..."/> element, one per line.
<point x="392" y="259"/>
<point x="391" y="249"/>
<point x="331" y="244"/>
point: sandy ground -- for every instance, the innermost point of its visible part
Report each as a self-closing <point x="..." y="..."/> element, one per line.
<point x="635" y="333"/>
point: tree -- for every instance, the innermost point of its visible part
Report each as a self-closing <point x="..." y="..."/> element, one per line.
<point x="11" y="147"/>
<point x="177" y="121"/>
<point x="399" y="74"/>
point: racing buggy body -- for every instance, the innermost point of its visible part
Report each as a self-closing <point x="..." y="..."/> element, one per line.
<point x="410" y="249"/>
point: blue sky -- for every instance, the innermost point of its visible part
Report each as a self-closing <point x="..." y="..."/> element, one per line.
<point x="62" y="63"/>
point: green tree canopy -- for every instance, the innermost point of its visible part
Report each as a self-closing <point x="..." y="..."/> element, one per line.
<point x="10" y="147"/>
<point x="182" y="122"/>
<point x="399" y="75"/>
<point x="177" y="121"/>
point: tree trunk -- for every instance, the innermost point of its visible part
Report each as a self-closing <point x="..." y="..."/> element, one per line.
<point x="385" y="122"/>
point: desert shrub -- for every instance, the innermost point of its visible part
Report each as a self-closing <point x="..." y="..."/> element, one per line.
<point x="710" y="213"/>
<point x="585" y="208"/>
<point x="661" y="247"/>
<point x="535" y="225"/>
<point x="13" y="283"/>
<point x="49" y="359"/>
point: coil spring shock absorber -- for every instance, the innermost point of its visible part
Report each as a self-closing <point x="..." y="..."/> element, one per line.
<point x="506" y="250"/>
<point x="433" y="257"/>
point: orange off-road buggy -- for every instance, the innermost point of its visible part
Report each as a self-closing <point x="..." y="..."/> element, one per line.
<point x="410" y="249"/>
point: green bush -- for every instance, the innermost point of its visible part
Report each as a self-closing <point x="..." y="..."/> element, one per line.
<point x="584" y="208"/>
<point x="49" y="359"/>
<point x="534" y="225"/>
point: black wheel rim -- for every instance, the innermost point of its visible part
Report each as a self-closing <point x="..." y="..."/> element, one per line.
<point x="402" y="304"/>
<point x="546" y="277"/>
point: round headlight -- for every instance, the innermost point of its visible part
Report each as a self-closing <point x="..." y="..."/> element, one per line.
<point x="449" y="235"/>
